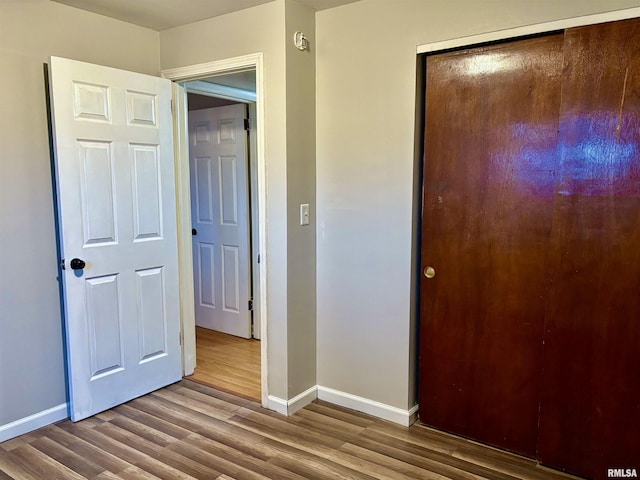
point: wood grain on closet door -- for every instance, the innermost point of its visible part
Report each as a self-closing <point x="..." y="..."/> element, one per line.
<point x="490" y="150"/>
<point x="590" y="408"/>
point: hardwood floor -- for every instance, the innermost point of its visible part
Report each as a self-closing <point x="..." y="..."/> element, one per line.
<point x="188" y="431"/>
<point x="228" y="363"/>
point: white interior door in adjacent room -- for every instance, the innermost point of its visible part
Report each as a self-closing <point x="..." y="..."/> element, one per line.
<point x="117" y="217"/>
<point x="219" y="210"/>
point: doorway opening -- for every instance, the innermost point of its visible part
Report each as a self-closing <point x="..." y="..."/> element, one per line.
<point x="227" y="84"/>
<point x="221" y="151"/>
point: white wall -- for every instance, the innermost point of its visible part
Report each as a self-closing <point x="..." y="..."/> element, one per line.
<point x="32" y="377"/>
<point x="365" y="87"/>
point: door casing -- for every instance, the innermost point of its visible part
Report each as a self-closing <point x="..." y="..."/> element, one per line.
<point x="185" y="74"/>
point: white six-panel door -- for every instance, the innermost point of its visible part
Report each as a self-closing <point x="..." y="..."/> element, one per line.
<point x="116" y="207"/>
<point x="219" y="202"/>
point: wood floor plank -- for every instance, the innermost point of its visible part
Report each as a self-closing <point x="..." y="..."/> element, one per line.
<point x="106" y="460"/>
<point x="478" y="454"/>
<point x="189" y="431"/>
<point x="143" y="431"/>
<point x="212" y="391"/>
<point x="418" y="436"/>
<point x="159" y="424"/>
<point x="232" y="468"/>
<point x="228" y="363"/>
<point x="336" y="457"/>
<point x="59" y="436"/>
<point x="340" y="413"/>
<point x="253" y="459"/>
<point x="328" y="425"/>
<point x="432" y="460"/>
<point x="511" y="465"/>
<point x="309" y="465"/>
<point x="70" y="459"/>
<point x="5" y="476"/>
<point x="151" y="451"/>
<point x="126" y="440"/>
<point x="105" y="443"/>
<point x="132" y="473"/>
<point x="11" y="466"/>
<point x="244" y="441"/>
<point x="19" y="441"/>
<point x="178" y="415"/>
<point x="292" y="433"/>
<point x="42" y="466"/>
<point x="164" y="471"/>
<point x="333" y="463"/>
<point x="200" y="404"/>
<point x="399" y="468"/>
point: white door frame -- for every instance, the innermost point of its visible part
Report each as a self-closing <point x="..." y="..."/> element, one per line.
<point x="195" y="72"/>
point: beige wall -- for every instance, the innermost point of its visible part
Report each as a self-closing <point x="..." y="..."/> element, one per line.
<point x="363" y="172"/>
<point x="258" y="29"/>
<point x="365" y="86"/>
<point x="32" y="377"/>
<point x="301" y="188"/>
<point x="290" y="168"/>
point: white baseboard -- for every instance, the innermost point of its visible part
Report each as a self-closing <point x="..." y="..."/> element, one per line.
<point x="285" y="407"/>
<point x="370" y="407"/>
<point x="413" y="415"/>
<point x="289" y="407"/>
<point x="277" y="405"/>
<point x="303" y="399"/>
<point x="33" y="422"/>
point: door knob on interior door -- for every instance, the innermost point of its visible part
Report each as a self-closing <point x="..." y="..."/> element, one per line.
<point x="429" y="272"/>
<point x="194" y="231"/>
<point x="77" y="264"/>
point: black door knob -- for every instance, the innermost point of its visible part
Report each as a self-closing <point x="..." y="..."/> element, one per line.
<point x="77" y="264"/>
<point x="194" y="231"/>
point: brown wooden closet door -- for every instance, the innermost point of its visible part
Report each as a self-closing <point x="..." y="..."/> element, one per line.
<point x="590" y="404"/>
<point x="490" y="149"/>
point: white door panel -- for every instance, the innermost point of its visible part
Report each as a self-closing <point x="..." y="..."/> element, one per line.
<point x="219" y="186"/>
<point x="116" y="206"/>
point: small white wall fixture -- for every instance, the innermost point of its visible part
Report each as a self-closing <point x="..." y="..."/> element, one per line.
<point x="196" y="72"/>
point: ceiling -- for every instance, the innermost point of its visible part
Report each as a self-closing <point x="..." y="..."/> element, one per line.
<point x="163" y="14"/>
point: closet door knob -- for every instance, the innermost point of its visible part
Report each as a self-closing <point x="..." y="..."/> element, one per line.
<point x="429" y="272"/>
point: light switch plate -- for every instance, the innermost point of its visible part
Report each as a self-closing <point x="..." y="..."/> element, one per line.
<point x="304" y="214"/>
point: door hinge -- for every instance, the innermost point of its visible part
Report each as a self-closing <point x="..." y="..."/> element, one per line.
<point x="180" y="338"/>
<point x="247" y="124"/>
<point x="258" y="258"/>
<point x="251" y="304"/>
<point x="171" y="106"/>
